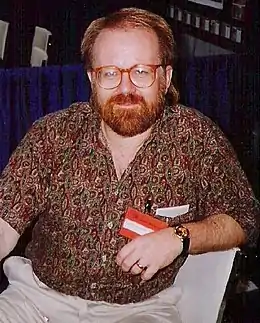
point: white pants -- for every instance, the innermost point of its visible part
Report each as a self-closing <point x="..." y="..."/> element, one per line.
<point x="28" y="300"/>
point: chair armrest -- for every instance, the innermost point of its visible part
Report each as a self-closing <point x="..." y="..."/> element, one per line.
<point x="3" y="279"/>
<point x="203" y="280"/>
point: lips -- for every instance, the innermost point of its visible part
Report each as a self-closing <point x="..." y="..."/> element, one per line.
<point x="127" y="105"/>
<point x="127" y="100"/>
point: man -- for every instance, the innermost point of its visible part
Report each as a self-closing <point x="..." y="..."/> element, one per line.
<point x="122" y="189"/>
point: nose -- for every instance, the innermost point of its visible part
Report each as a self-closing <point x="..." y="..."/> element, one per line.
<point x="126" y="86"/>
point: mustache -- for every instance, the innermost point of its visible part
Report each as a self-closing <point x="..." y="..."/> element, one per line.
<point x="129" y="98"/>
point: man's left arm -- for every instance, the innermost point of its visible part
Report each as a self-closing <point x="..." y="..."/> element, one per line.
<point x="227" y="214"/>
<point x="214" y="233"/>
<point x="228" y="211"/>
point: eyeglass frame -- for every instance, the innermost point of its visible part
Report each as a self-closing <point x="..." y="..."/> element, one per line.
<point x="128" y="70"/>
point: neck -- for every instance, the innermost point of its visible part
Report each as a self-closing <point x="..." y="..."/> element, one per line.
<point x="123" y="149"/>
<point x="117" y="142"/>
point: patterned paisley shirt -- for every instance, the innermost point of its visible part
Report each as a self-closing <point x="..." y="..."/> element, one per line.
<point x="63" y="175"/>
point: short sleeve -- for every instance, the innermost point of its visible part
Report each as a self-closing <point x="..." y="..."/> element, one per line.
<point x="23" y="181"/>
<point x="223" y="186"/>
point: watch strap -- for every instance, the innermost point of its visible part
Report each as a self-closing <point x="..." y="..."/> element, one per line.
<point x="183" y="234"/>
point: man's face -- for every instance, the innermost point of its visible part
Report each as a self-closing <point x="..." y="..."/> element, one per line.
<point x="128" y="109"/>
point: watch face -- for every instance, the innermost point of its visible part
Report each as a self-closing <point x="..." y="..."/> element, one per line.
<point x="182" y="231"/>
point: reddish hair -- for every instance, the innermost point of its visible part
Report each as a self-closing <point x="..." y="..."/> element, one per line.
<point x="129" y="18"/>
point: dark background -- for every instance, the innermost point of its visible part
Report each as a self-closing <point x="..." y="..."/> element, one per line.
<point x="66" y="19"/>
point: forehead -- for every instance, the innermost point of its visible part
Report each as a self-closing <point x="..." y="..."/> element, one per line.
<point x="125" y="48"/>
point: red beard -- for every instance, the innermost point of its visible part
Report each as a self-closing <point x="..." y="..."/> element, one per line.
<point x="129" y="114"/>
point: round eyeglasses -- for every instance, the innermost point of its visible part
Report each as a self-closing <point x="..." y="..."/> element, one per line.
<point x="110" y="77"/>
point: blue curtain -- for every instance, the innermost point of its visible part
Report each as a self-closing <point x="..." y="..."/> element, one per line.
<point x="27" y="94"/>
<point x="226" y="88"/>
<point x="206" y="87"/>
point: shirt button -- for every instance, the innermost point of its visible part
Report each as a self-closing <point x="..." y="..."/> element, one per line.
<point x="104" y="258"/>
<point x="120" y="202"/>
<point x="110" y="225"/>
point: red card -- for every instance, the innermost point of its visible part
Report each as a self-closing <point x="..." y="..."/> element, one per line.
<point x="137" y="223"/>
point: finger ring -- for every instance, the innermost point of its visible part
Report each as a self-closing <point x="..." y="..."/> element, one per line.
<point x="140" y="266"/>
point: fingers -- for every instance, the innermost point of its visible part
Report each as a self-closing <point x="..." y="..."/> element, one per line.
<point x="137" y="270"/>
<point x="149" y="272"/>
<point x="124" y="254"/>
<point x="137" y="252"/>
<point x="130" y="261"/>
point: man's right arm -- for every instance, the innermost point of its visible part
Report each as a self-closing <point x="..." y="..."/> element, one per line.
<point x="23" y="187"/>
<point x="8" y="238"/>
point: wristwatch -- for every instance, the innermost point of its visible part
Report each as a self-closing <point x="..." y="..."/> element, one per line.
<point x="184" y="235"/>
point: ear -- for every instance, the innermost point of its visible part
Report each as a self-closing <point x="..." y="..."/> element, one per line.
<point x="91" y="77"/>
<point x="89" y="73"/>
<point x="168" y="77"/>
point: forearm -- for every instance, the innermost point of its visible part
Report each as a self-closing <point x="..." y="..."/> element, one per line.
<point x="218" y="232"/>
<point x="8" y="238"/>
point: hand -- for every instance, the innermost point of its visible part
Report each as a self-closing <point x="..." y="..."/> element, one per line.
<point x="151" y="251"/>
